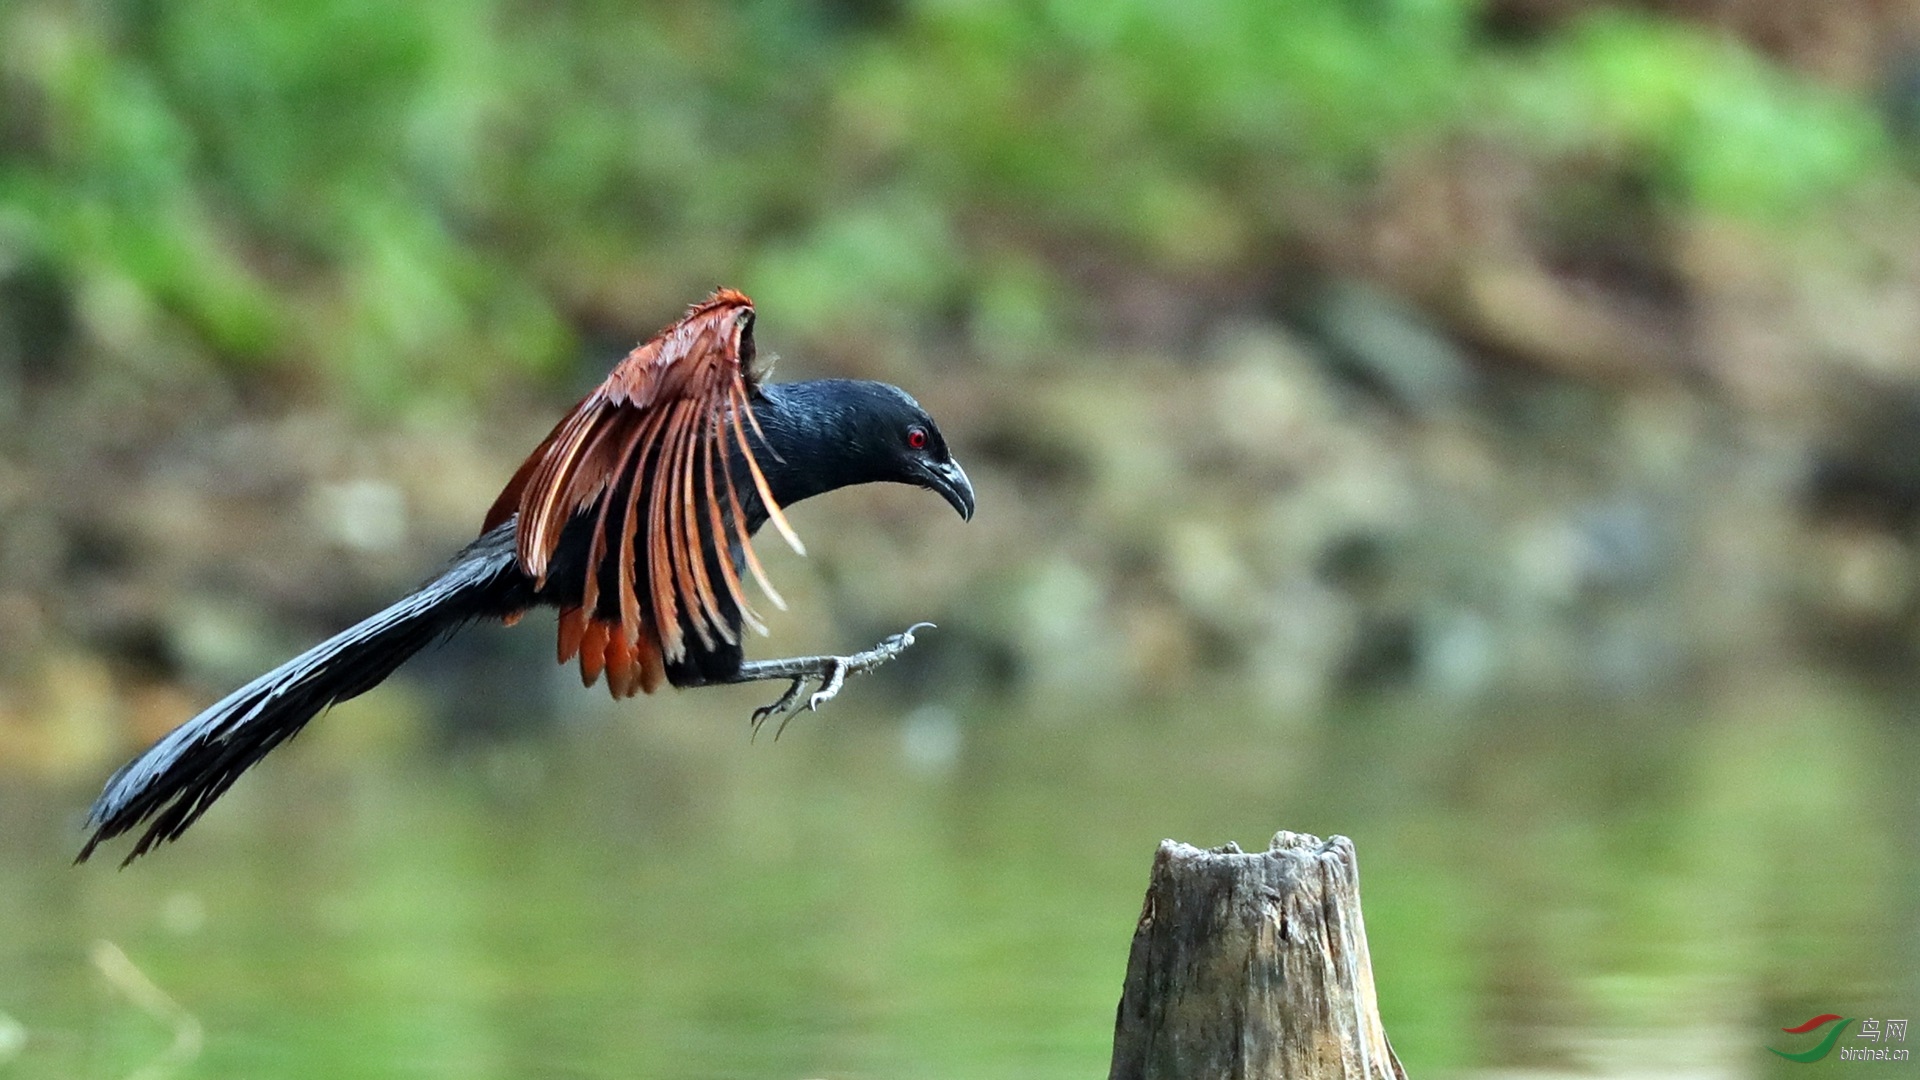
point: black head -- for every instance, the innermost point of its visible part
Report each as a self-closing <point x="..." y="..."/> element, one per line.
<point x="831" y="433"/>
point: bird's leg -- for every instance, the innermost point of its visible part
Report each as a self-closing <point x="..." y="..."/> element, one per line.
<point x="830" y="671"/>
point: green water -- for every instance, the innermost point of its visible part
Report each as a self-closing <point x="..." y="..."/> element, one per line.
<point x="644" y="893"/>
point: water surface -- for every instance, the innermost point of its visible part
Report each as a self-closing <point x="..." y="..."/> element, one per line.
<point x="950" y="893"/>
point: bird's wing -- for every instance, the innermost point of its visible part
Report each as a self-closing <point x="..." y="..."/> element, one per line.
<point x="646" y="454"/>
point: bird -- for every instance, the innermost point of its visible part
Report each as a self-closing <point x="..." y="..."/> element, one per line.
<point x="634" y="520"/>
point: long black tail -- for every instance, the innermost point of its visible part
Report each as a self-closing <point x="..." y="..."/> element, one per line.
<point x="175" y="781"/>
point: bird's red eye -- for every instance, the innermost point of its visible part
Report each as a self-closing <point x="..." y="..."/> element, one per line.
<point x="917" y="438"/>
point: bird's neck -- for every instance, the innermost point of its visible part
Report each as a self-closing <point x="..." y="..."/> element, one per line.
<point x="812" y="445"/>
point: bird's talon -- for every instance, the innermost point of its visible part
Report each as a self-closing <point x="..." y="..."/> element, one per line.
<point x="783" y="706"/>
<point x="829" y="686"/>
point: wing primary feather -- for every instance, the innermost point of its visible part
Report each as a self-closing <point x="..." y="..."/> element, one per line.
<point x="696" y="589"/>
<point x="740" y="397"/>
<point x="693" y="535"/>
<point x="625" y="469"/>
<point x="666" y="611"/>
<point x="759" y="478"/>
<point x="622" y="676"/>
<point x="593" y="651"/>
<point x="568" y="482"/>
<point x="746" y="543"/>
<point x="680" y="578"/>
<point x="716" y="529"/>
<point x="685" y="553"/>
<point x="652" y="671"/>
<point x="573" y="623"/>
<point x="547" y="488"/>
<point x="596" y="550"/>
<point x="647" y="448"/>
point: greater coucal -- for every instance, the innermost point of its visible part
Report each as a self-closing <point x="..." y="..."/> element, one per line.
<point x="633" y="519"/>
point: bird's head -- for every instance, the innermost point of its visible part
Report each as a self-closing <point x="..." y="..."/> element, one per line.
<point x="859" y="432"/>
<point x="897" y="441"/>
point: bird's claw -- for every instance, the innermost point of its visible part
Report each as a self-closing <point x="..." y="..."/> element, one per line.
<point x="829" y="686"/>
<point x="777" y="708"/>
<point x="832" y="672"/>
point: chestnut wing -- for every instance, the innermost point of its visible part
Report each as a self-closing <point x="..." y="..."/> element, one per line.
<point x="645" y="456"/>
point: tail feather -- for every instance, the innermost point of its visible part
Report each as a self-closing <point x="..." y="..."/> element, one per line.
<point x="174" y="782"/>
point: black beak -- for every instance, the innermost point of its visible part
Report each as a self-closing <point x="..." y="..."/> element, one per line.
<point x="950" y="480"/>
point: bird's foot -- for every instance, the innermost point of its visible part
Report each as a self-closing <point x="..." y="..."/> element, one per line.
<point x="829" y="671"/>
<point x="778" y="708"/>
<point x="830" y="684"/>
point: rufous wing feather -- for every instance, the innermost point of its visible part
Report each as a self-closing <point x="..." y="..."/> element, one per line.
<point x="640" y="454"/>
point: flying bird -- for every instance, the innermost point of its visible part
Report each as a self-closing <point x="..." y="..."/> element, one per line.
<point x="634" y="519"/>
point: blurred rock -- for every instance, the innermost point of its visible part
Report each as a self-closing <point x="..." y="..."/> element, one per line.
<point x="1390" y="346"/>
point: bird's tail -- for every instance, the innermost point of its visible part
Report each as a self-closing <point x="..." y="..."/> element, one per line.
<point x="174" y="782"/>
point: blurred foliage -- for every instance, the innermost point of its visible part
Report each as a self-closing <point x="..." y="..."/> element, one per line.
<point x="1722" y="130"/>
<point x="417" y="199"/>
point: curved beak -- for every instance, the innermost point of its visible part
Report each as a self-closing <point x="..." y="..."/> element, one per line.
<point x="950" y="480"/>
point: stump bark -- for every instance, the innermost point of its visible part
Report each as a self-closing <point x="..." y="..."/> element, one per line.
<point x="1252" y="965"/>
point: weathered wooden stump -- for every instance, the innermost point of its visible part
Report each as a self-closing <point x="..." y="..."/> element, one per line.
<point x="1252" y="965"/>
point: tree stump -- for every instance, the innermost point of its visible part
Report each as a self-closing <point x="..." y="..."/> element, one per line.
<point x="1252" y="966"/>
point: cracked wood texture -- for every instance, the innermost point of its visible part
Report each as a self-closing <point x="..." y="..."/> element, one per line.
<point x="1252" y="965"/>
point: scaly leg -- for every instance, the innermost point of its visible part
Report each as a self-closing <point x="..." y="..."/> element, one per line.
<point x="831" y="671"/>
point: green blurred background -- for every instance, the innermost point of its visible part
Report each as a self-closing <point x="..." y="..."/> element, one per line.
<point x="1486" y="428"/>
